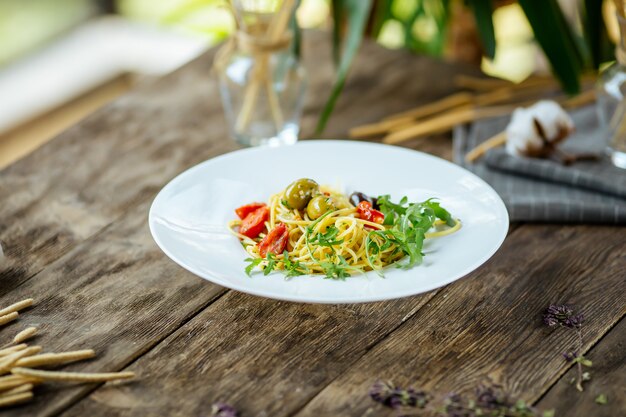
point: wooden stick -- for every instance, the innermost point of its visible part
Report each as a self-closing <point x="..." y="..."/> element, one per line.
<point x="277" y="28"/>
<point x="71" y="376"/>
<point x="15" y="399"/>
<point x="55" y="358"/>
<point x="7" y="318"/>
<point x="17" y="306"/>
<point x="26" y="386"/>
<point x="496" y="140"/>
<point x="444" y="122"/>
<point x="9" y="350"/>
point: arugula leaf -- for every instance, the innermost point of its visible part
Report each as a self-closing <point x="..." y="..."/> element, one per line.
<point x="440" y="212"/>
<point x="294" y="268"/>
<point x="271" y="263"/>
<point x="390" y="209"/>
<point x="254" y="262"/>
<point x="338" y="270"/>
<point x="328" y="238"/>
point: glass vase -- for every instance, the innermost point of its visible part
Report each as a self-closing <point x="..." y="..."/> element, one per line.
<point x="611" y="101"/>
<point x="261" y="81"/>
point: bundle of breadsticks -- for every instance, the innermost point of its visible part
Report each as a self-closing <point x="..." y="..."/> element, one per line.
<point x="19" y="362"/>
<point x="481" y="98"/>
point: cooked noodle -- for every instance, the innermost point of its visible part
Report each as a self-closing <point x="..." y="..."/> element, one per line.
<point x="351" y="236"/>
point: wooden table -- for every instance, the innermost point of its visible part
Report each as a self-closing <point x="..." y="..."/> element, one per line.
<point x="73" y="223"/>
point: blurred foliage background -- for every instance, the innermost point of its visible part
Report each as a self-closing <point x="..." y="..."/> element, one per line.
<point x="418" y="25"/>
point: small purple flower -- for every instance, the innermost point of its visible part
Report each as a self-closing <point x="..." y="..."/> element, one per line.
<point x="381" y="392"/>
<point x="562" y="315"/>
<point x="490" y="398"/>
<point x="224" y="410"/>
<point x="395" y="397"/>
<point x="570" y="356"/>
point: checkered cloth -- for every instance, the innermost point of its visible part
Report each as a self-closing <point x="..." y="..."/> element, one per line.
<point x="543" y="190"/>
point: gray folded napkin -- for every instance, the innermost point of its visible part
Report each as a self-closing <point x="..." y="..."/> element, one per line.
<point x="544" y="190"/>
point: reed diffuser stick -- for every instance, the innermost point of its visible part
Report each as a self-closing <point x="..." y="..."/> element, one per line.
<point x="261" y="75"/>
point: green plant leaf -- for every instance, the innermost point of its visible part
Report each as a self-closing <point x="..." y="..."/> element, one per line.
<point x="552" y="33"/>
<point x="483" y="11"/>
<point x="356" y="13"/>
<point x="595" y="33"/>
<point x="297" y="32"/>
<point x="382" y="13"/>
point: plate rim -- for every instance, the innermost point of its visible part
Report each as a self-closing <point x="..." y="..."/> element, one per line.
<point x="501" y="209"/>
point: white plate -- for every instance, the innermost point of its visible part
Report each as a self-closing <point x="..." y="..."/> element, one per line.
<point x="188" y="217"/>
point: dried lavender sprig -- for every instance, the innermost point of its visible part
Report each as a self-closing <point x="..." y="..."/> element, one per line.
<point x="563" y="315"/>
<point x="388" y="394"/>
<point x="220" y="409"/>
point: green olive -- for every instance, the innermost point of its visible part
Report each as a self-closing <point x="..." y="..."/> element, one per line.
<point x="319" y="205"/>
<point x="300" y="192"/>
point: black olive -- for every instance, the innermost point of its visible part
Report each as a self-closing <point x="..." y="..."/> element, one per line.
<point x="356" y="197"/>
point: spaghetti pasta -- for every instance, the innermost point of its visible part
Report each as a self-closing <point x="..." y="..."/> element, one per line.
<point x="345" y="237"/>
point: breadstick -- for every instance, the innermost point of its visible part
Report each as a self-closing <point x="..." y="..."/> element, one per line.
<point x="15" y="399"/>
<point x="55" y="358"/>
<point x="8" y="350"/>
<point x="24" y="387"/>
<point x="11" y="381"/>
<point x="20" y="305"/>
<point x="25" y="335"/>
<point x="8" y="361"/>
<point x="494" y="141"/>
<point x="71" y="376"/>
<point x="7" y="318"/>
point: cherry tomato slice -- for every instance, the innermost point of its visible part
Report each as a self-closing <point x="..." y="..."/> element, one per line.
<point x="275" y="242"/>
<point x="366" y="212"/>
<point x="243" y="211"/>
<point x="254" y="223"/>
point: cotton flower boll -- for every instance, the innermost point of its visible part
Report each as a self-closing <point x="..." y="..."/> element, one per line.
<point x="534" y="131"/>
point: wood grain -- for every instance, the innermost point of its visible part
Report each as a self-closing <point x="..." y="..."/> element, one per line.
<point x="115" y="293"/>
<point x="489" y="329"/>
<point x="89" y="176"/>
<point x="72" y="221"/>
<point x="77" y="239"/>
<point x="82" y="181"/>
<point x="277" y="366"/>
<point x="608" y="378"/>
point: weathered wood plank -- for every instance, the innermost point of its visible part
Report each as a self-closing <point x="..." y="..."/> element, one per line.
<point x="119" y="157"/>
<point x="489" y="328"/>
<point x="76" y="211"/>
<point x="275" y="364"/>
<point x="90" y="175"/>
<point x="608" y="378"/>
<point x="115" y="293"/>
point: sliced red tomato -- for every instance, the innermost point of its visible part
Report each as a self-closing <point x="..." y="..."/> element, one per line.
<point x="243" y="211"/>
<point x="366" y="212"/>
<point x="275" y="242"/>
<point x="254" y="222"/>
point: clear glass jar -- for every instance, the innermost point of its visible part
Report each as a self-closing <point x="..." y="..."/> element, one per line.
<point x="611" y="102"/>
<point x="261" y="81"/>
